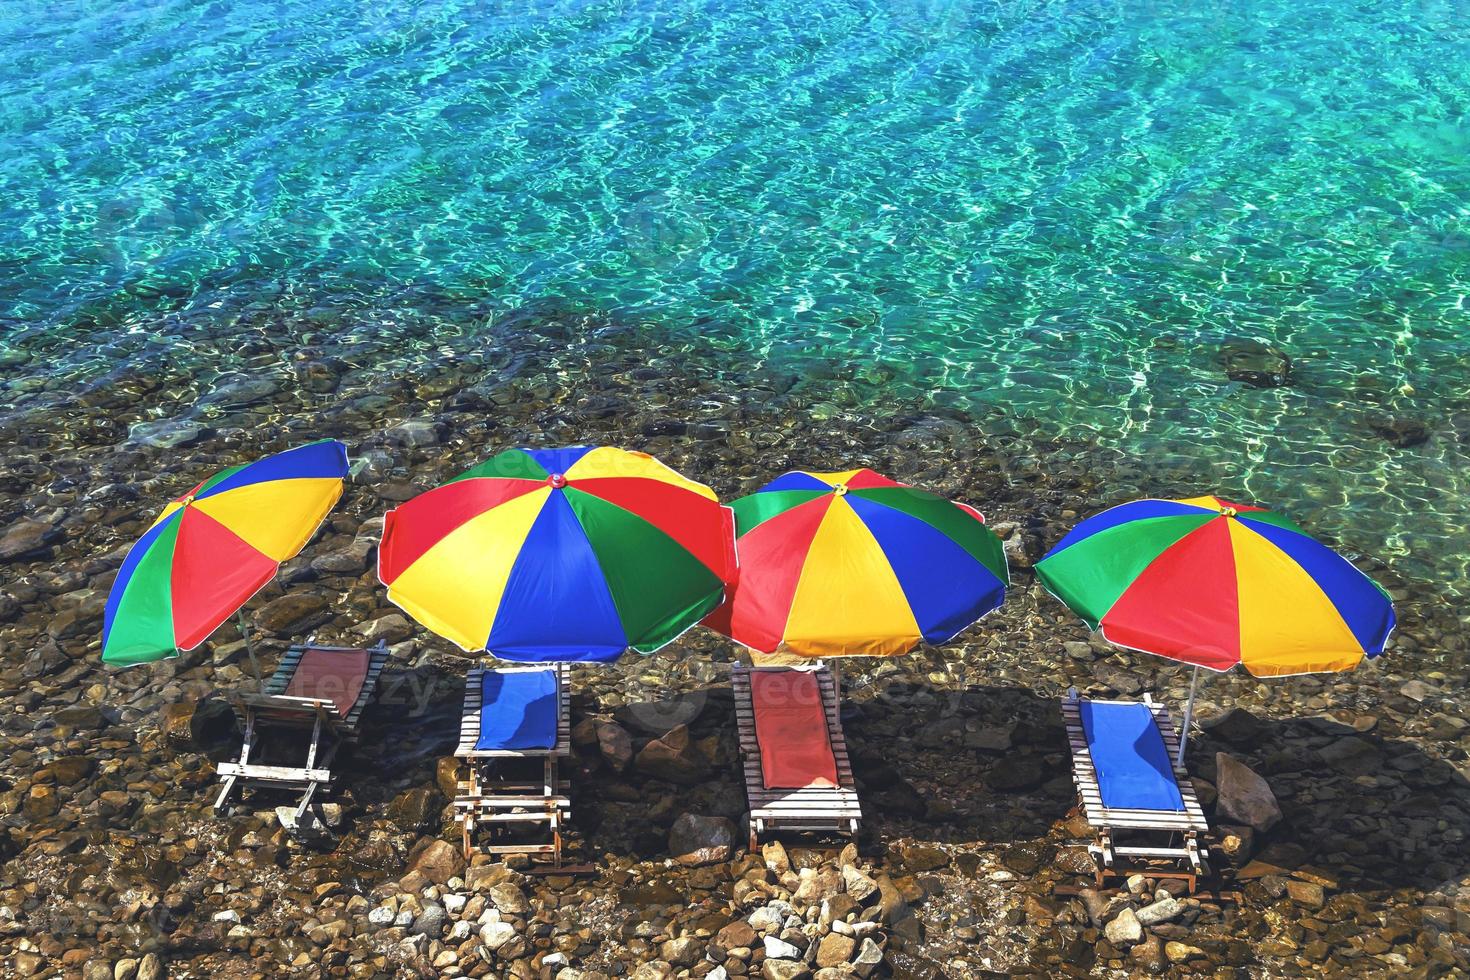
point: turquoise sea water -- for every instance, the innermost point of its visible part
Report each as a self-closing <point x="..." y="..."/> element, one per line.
<point x="1065" y="208"/>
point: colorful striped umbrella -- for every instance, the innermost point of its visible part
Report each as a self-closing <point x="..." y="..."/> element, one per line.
<point x="852" y="563"/>
<point x="215" y="547"/>
<point x="561" y="554"/>
<point x="1214" y="584"/>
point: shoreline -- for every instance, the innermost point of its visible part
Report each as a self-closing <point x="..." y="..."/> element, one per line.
<point x="957" y="750"/>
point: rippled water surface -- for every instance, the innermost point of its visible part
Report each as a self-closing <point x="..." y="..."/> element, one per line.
<point x="1063" y="208"/>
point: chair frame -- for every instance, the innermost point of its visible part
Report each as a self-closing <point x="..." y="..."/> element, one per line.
<point x="273" y="708"/>
<point x="482" y="798"/>
<point x="1111" y="859"/>
<point x="811" y="808"/>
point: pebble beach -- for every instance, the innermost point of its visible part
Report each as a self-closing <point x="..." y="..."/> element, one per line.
<point x="1340" y="804"/>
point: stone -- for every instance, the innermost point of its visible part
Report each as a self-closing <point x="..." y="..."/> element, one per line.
<point x="1079" y="650"/>
<point x="1148" y="955"/>
<point x="389" y="629"/>
<point x="415" y="433"/>
<point x="293" y="614"/>
<point x="25" y="539"/>
<point x="684" y="952"/>
<point x="1124" y="929"/>
<point x="835" y="950"/>
<point x="1244" y="797"/>
<point x="496" y="934"/>
<point x="1307" y="894"/>
<point x="1237" y="842"/>
<point x="436" y="860"/>
<point x="1164" y="910"/>
<point x="446" y="776"/>
<point x="615" y="744"/>
<point x="923" y="857"/>
<point x="780" y="949"/>
<point x="773" y="855"/>
<point x="673" y="758"/>
<point x="415" y="808"/>
<point x="508" y="898"/>
<point x="818" y="885"/>
<point x="697" y="839"/>
<point x="70" y="769"/>
<point x="1255" y="363"/>
<point x="151" y="967"/>
<point x="869" y="958"/>
<point x="167" y="433"/>
<point x="891" y="901"/>
<point x="858" y="885"/>
<point x="736" y="935"/>
<point x="198" y="725"/>
<point x="1177" y="952"/>
<point x="349" y="560"/>
<point x="1400" y="431"/>
<point x="41" y="802"/>
<point x="1234" y="725"/>
<point x="784" y="970"/>
<point x="125" y="969"/>
<point x="429" y="922"/>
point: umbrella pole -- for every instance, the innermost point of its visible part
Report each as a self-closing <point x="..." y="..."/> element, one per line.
<point x="1188" y="713"/>
<point x="249" y="647"/>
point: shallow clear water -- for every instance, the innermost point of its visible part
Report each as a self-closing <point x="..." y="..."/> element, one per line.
<point x="1065" y="208"/>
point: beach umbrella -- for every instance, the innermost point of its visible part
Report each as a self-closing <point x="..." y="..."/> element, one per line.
<point x="213" y="548"/>
<point x="1212" y="583"/>
<point x="560" y="555"/>
<point x="852" y="563"/>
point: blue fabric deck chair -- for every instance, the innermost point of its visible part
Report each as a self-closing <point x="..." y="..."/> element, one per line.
<point x="514" y="714"/>
<point x="1128" y="786"/>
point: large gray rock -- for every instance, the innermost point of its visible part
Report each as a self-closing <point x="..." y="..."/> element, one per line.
<point x="697" y="839"/>
<point x="1244" y="797"/>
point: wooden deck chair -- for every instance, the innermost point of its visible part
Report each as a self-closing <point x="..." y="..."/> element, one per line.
<point x="322" y="690"/>
<point x="1123" y="756"/>
<point x="511" y="714"/>
<point x="797" y="773"/>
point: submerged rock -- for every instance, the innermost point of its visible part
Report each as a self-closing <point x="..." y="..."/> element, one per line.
<point x="1256" y="364"/>
<point x="1244" y="797"/>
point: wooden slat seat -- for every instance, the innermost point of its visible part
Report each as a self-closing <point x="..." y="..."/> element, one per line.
<point x="490" y="795"/>
<point x="809" y="808"/>
<point x="1183" y="830"/>
<point x="273" y="708"/>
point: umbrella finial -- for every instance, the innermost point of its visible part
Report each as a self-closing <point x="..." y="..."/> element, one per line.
<point x="1227" y="511"/>
<point x="557" y="480"/>
<point x="840" y="490"/>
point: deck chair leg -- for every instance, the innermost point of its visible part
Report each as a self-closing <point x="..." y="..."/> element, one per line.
<point x="316" y="736"/>
<point x="224" y="794"/>
<point x="473" y="793"/>
<point x="305" y="802"/>
<point x="246" y="744"/>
